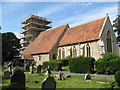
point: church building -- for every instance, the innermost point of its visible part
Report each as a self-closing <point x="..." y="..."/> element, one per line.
<point x="91" y="39"/>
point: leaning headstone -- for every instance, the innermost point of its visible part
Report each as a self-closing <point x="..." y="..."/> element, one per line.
<point x="60" y="76"/>
<point x="49" y="83"/>
<point x="87" y="77"/>
<point x="18" y="77"/>
<point x="39" y="68"/>
<point x="7" y="75"/>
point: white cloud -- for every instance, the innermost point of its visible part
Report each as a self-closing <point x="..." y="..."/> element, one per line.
<point x="52" y="9"/>
<point x="18" y="35"/>
<point x="91" y="15"/>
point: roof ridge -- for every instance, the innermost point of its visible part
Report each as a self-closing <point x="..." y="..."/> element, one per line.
<point x="87" y="23"/>
<point x="56" y="27"/>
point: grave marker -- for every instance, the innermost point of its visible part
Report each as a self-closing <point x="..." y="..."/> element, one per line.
<point x="87" y="77"/>
<point x="18" y="77"/>
<point x="39" y="68"/>
<point x="49" y="83"/>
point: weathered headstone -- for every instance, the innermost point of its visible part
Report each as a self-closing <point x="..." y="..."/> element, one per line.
<point x="60" y="76"/>
<point x="49" y="83"/>
<point x="87" y="77"/>
<point x="39" y="68"/>
<point x="18" y="77"/>
<point x="7" y="75"/>
<point x="32" y="68"/>
<point x="16" y="68"/>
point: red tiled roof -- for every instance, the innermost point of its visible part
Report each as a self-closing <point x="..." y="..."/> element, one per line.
<point x="82" y="33"/>
<point x="44" y="42"/>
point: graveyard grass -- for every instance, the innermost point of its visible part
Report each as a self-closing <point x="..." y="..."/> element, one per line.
<point x="75" y="81"/>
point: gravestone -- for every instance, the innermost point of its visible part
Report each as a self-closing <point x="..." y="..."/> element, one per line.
<point x="39" y="68"/>
<point x="49" y="83"/>
<point x="10" y="66"/>
<point x="60" y="76"/>
<point x="27" y="67"/>
<point x="16" y="68"/>
<point x="68" y="76"/>
<point x="7" y="75"/>
<point x="18" y="77"/>
<point x="48" y="72"/>
<point x="32" y="68"/>
<point x="87" y="77"/>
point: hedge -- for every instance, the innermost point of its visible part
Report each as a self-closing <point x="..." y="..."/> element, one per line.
<point x="81" y="64"/>
<point x="113" y="66"/>
<point x="117" y="77"/>
<point x="109" y="64"/>
<point x="101" y="66"/>
<point x="108" y="56"/>
<point x="56" y="65"/>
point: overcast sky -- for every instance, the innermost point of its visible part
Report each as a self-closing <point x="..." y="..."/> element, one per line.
<point x="72" y="13"/>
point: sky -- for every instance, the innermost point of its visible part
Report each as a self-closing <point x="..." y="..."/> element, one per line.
<point x="60" y="13"/>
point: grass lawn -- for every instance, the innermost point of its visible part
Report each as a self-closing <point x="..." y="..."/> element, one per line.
<point x="75" y="81"/>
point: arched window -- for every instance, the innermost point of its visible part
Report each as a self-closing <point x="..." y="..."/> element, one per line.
<point x="39" y="57"/>
<point x="109" y="43"/>
<point x="83" y="50"/>
<point x="63" y="53"/>
<point x="88" y="50"/>
<point x="74" y="52"/>
<point x="60" y="54"/>
<point x="71" y="52"/>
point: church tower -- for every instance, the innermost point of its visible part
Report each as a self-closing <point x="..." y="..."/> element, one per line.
<point x="33" y="25"/>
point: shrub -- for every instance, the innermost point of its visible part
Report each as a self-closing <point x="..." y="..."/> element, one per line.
<point x="109" y="64"/>
<point x="56" y="65"/>
<point x="65" y="61"/>
<point x="117" y="77"/>
<point x="101" y="66"/>
<point x="81" y="64"/>
<point x="109" y="56"/>
<point x="113" y="66"/>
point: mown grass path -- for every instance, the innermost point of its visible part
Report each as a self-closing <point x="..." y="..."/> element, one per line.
<point x="96" y="75"/>
<point x="75" y="81"/>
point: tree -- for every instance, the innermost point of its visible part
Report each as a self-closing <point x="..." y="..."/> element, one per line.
<point x="10" y="46"/>
<point x="116" y="26"/>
